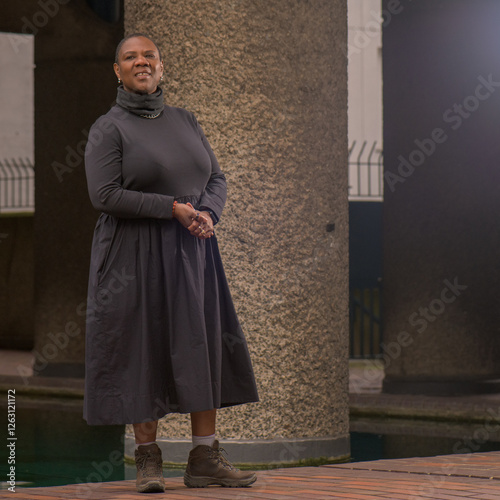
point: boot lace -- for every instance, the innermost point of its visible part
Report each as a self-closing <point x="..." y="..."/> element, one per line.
<point x="148" y="465"/>
<point x="217" y="454"/>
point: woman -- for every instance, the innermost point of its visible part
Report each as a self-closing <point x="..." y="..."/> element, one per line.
<point x="162" y="333"/>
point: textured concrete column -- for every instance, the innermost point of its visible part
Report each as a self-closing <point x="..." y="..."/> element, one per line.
<point x="267" y="81"/>
<point x="442" y="232"/>
<point x="74" y="84"/>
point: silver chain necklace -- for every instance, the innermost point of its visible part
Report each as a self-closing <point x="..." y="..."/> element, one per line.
<point x="151" y="117"/>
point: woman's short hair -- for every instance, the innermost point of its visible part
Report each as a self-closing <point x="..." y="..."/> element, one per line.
<point x="134" y="35"/>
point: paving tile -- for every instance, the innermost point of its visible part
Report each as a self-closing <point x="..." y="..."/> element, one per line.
<point x="486" y="466"/>
<point x="454" y="477"/>
<point x="17" y="494"/>
<point x="483" y="496"/>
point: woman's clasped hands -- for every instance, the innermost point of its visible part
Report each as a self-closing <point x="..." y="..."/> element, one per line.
<point x="198" y="223"/>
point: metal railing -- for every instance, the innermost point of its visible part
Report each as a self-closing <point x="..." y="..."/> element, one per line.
<point x="365" y="323"/>
<point x="17" y="186"/>
<point x="366" y="171"/>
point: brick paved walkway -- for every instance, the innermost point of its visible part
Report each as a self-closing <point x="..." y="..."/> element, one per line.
<point x="450" y="477"/>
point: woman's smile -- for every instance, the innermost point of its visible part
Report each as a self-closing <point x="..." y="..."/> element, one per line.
<point x="139" y="66"/>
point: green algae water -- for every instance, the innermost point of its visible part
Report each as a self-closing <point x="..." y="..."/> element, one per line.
<point x="55" y="446"/>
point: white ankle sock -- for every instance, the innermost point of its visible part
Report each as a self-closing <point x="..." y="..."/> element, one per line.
<point x="206" y="440"/>
<point x="143" y="444"/>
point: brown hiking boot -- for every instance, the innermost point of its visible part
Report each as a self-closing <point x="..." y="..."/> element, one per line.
<point x="149" y="469"/>
<point x="207" y="465"/>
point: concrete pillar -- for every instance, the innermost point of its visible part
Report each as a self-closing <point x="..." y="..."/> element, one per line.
<point x="74" y="83"/>
<point x="441" y="229"/>
<point x="267" y="81"/>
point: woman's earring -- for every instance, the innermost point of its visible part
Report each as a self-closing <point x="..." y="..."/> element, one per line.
<point x="119" y="81"/>
<point x="161" y="78"/>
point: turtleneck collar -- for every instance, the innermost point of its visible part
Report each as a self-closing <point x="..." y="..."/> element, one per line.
<point x="146" y="105"/>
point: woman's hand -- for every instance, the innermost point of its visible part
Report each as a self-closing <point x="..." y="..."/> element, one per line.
<point x="206" y="225"/>
<point x="199" y="224"/>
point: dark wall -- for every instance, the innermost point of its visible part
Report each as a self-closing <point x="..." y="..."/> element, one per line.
<point x="16" y="283"/>
<point x="74" y="84"/>
<point x="365" y="244"/>
<point x="442" y="180"/>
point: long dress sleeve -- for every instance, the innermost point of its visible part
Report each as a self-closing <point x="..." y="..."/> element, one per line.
<point x="215" y="194"/>
<point x="103" y="159"/>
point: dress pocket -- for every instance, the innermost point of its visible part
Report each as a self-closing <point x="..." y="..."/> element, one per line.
<point x="104" y="236"/>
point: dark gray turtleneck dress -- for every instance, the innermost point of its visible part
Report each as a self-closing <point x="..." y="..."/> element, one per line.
<point x="162" y="333"/>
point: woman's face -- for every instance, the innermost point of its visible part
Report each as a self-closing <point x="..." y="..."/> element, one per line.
<point x="139" y="66"/>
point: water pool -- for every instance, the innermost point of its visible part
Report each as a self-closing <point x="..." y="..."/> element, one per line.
<point x="55" y="446"/>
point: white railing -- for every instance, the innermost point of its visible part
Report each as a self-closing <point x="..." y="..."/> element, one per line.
<point x="17" y="186"/>
<point x="366" y="172"/>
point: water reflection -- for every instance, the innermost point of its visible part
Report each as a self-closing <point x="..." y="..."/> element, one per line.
<point x="55" y="446"/>
<point x="373" y="439"/>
